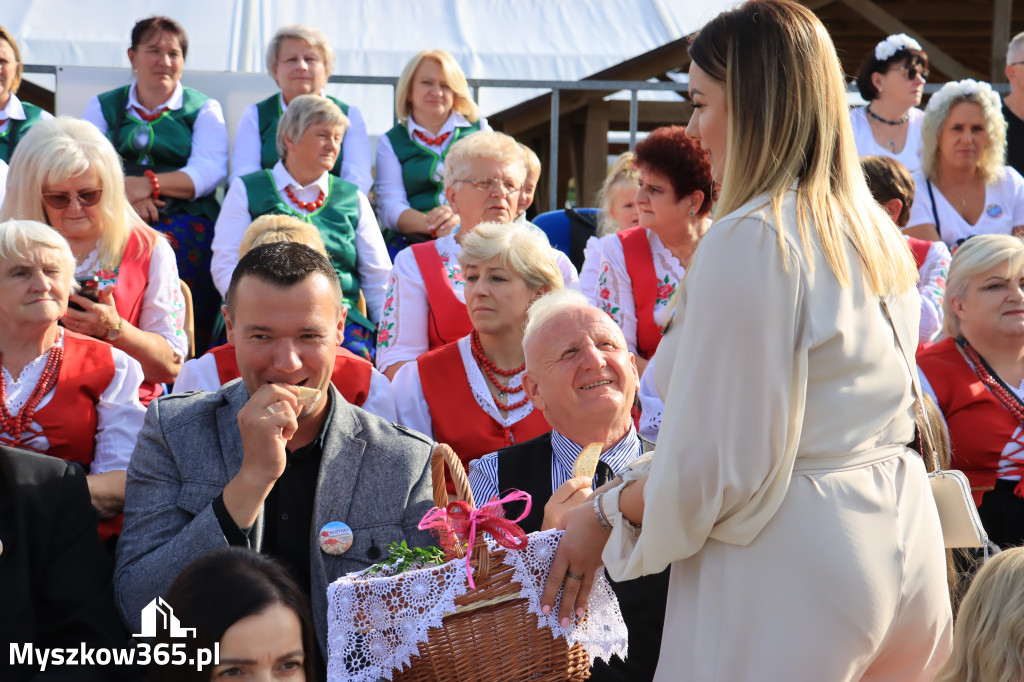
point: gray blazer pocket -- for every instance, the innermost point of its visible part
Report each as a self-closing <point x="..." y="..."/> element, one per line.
<point x="195" y="495"/>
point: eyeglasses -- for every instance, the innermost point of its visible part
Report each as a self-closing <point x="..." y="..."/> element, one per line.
<point x="913" y="71"/>
<point x="61" y="200"/>
<point x="493" y="184"/>
<point x="1015" y="63"/>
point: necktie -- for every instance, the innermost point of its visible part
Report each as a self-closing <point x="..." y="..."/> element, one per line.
<point x="603" y="474"/>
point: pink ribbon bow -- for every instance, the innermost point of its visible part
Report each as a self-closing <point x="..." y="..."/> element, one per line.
<point x="461" y="519"/>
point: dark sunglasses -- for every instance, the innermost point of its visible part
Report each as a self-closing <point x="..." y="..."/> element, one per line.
<point x="913" y="70"/>
<point x="62" y="200"/>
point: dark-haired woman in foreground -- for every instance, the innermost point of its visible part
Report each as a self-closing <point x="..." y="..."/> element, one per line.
<point x="249" y="608"/>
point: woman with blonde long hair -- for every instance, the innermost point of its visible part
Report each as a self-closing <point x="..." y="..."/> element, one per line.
<point x="800" y="530"/>
<point x="67" y="175"/>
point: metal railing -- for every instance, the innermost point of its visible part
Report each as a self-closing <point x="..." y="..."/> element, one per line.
<point x="556" y="87"/>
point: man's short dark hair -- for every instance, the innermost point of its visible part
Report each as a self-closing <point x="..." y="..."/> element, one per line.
<point x="889" y="179"/>
<point x="282" y="264"/>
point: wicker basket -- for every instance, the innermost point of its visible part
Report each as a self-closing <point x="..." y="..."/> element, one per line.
<point x="491" y="636"/>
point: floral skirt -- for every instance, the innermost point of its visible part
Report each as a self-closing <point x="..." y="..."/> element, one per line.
<point x="360" y="340"/>
<point x="191" y="238"/>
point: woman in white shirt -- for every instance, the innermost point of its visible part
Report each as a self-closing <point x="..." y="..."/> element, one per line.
<point x="964" y="188"/>
<point x="174" y="145"/>
<point x="299" y="59"/>
<point x="892" y="80"/>
<point x="61" y="393"/>
<point x="16" y="117"/>
<point x="800" y="530"/>
<point x="435" y="109"/>
<point x="66" y="174"/>
<point x="302" y="185"/>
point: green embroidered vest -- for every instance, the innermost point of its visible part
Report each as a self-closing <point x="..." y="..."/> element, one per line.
<point x="269" y="113"/>
<point x="336" y="221"/>
<point x="17" y="129"/>
<point x="424" y="185"/>
<point x="163" y="145"/>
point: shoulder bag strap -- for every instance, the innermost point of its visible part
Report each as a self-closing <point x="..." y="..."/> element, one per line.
<point x="935" y="211"/>
<point x="922" y="414"/>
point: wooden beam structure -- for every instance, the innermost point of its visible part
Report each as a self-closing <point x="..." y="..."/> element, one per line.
<point x="941" y="59"/>
<point x="1002" y="15"/>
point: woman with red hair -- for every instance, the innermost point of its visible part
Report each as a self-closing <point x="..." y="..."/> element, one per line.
<point x="640" y="269"/>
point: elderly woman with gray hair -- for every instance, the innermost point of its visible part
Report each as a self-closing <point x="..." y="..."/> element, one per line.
<point x="309" y="137"/>
<point x="963" y="187"/>
<point x="48" y="372"/>
<point x="300" y="59"/>
<point x="976" y="376"/>
<point x="425" y="305"/>
<point x="469" y="394"/>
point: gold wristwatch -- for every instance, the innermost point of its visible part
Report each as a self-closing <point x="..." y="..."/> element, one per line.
<point x="115" y="331"/>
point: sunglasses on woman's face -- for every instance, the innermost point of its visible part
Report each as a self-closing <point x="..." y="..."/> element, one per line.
<point x="913" y="71"/>
<point x="61" y="200"/>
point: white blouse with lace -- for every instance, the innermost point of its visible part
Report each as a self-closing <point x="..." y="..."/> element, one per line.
<point x="119" y="414"/>
<point x="614" y="290"/>
<point x="412" y="407"/>
<point x="402" y="332"/>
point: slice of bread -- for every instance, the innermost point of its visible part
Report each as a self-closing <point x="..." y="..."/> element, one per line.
<point x="586" y="462"/>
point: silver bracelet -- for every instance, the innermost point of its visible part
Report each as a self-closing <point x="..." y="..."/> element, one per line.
<point x="599" y="513"/>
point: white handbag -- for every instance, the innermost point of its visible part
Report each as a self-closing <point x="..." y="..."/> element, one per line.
<point x="961" y="525"/>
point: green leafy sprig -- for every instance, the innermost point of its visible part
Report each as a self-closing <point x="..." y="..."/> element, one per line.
<point x="402" y="558"/>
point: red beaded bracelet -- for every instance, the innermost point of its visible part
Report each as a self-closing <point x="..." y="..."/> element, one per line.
<point x="156" y="183"/>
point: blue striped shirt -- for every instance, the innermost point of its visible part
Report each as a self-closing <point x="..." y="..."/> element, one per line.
<point x="483" y="472"/>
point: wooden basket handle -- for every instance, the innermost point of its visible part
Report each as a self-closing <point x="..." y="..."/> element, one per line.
<point x="442" y="455"/>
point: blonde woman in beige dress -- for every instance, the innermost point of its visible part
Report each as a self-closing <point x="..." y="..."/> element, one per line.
<point x="802" y="537"/>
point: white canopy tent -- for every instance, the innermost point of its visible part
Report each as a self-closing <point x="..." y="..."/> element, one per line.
<point x="496" y="39"/>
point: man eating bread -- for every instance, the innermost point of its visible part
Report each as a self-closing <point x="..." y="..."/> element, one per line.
<point x="580" y="374"/>
<point x="277" y="460"/>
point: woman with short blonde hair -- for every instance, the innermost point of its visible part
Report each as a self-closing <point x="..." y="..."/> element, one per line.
<point x="425" y="304"/>
<point x="67" y="175"/>
<point x="300" y="59"/>
<point x="434" y="108"/>
<point x="964" y="187"/>
<point x="788" y="401"/>
<point x="975" y="374"/>
<point x="469" y="394"/>
<point x="275" y="227"/>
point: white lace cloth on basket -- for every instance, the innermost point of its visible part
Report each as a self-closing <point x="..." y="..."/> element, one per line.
<point x="429" y="594"/>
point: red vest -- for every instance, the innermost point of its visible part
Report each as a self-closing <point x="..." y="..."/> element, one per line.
<point x="640" y="266"/>
<point x="69" y="420"/>
<point x="457" y="418"/>
<point x="351" y="374"/>
<point x="447" y="318"/>
<point x="920" y="249"/>
<point x="132" y="277"/>
<point x="979" y="425"/>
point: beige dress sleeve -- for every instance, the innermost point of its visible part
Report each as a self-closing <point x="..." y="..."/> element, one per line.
<point x="737" y="395"/>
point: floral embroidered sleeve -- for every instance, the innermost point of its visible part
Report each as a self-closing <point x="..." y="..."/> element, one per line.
<point x="614" y="293"/>
<point x="163" y="307"/>
<point x="402" y="330"/>
<point x="933" y="289"/>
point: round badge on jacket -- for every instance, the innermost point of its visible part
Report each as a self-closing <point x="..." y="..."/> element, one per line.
<point x="335" y="538"/>
<point x="993" y="210"/>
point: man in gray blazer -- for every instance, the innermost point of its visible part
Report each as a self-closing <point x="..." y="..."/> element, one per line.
<point x="251" y="465"/>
